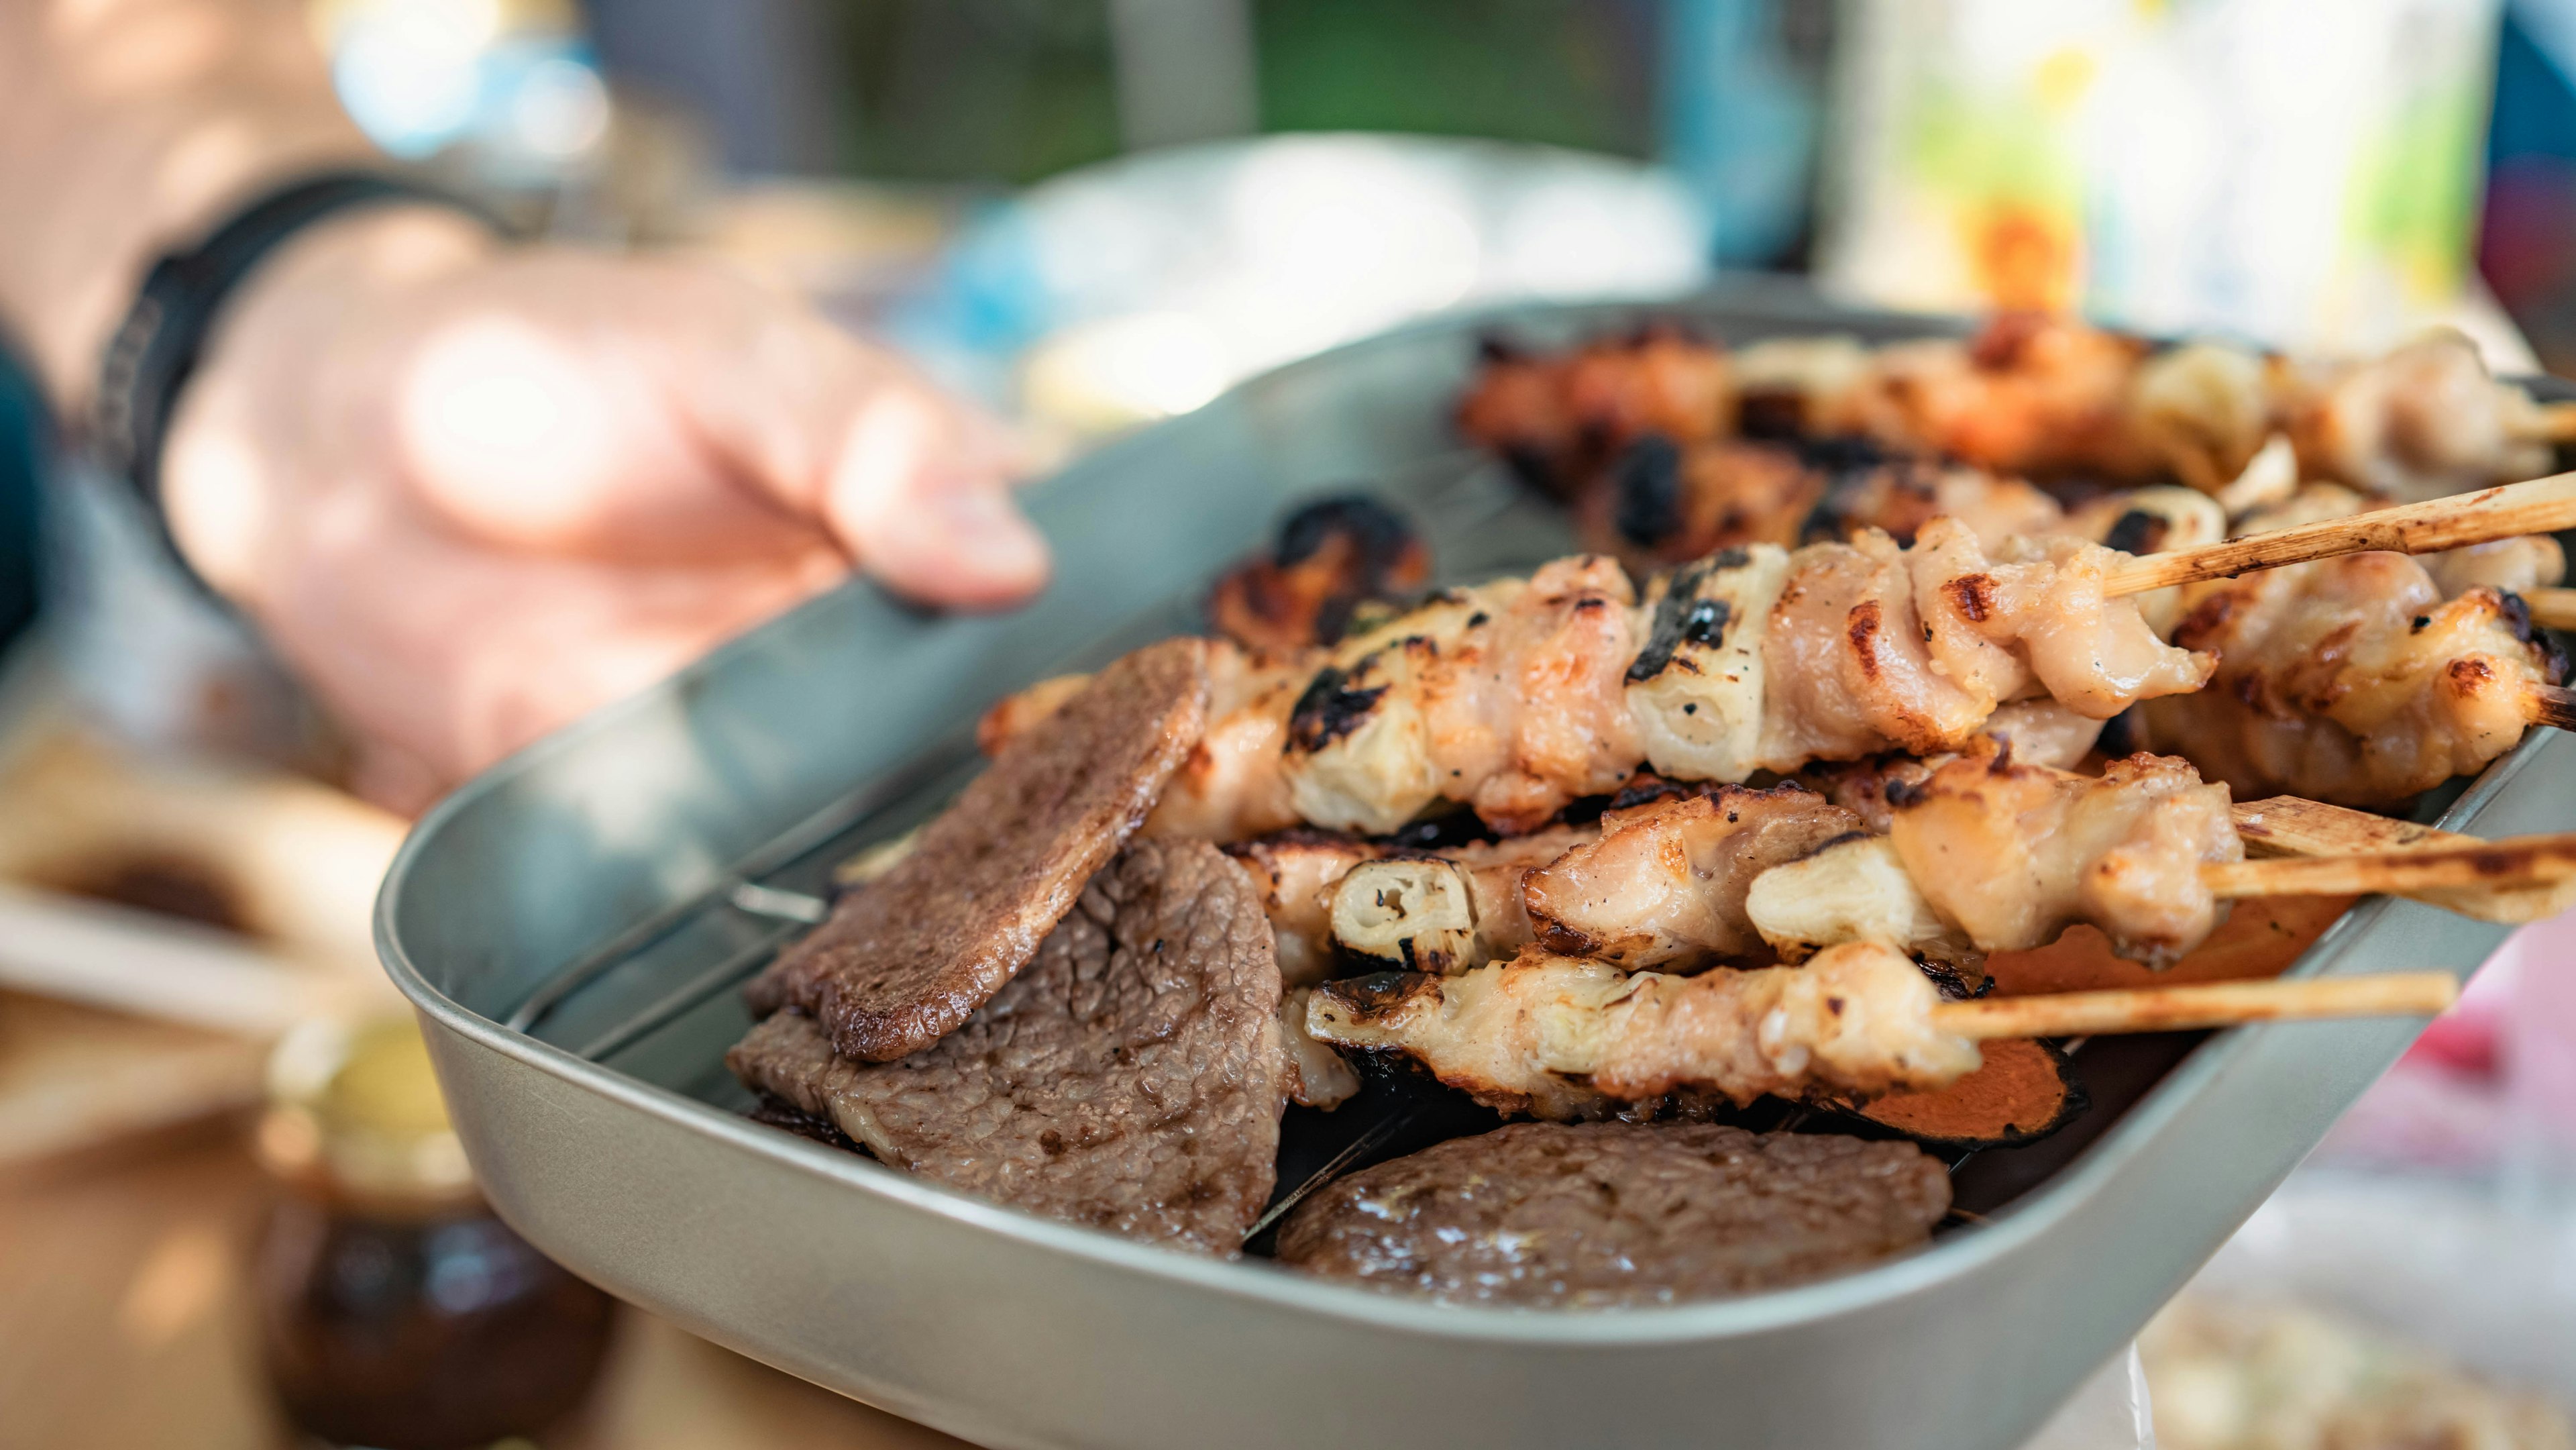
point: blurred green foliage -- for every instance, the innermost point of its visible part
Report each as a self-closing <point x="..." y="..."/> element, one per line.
<point x="1565" y="72"/>
<point x="1016" y="90"/>
<point x="978" y="90"/>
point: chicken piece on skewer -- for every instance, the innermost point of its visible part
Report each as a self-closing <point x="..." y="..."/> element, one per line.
<point x="2352" y="680"/>
<point x="1982" y="856"/>
<point x="1873" y="648"/>
<point x="1659" y="503"/>
<point x="1761" y="660"/>
<point x="1563" y="1038"/>
<point x="2032" y="395"/>
<point x="2420" y="421"/>
<point x="1556" y="420"/>
<point x="2028" y="394"/>
<point x="1294" y="873"/>
<point x="1519" y="696"/>
<point x="2012" y="855"/>
<point x="1445" y="911"/>
<point x="1664" y="886"/>
<point x="1332" y="556"/>
<point x="1507" y="697"/>
<point x="1316" y="1076"/>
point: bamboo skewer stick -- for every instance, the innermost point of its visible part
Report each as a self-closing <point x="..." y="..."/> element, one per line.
<point x="2551" y="608"/>
<point x="2292" y="826"/>
<point x="2550" y="705"/>
<point x="2541" y="506"/>
<point x="2212" y="1004"/>
<point x="2515" y="861"/>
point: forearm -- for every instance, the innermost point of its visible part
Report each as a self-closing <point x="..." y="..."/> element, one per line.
<point x="131" y="125"/>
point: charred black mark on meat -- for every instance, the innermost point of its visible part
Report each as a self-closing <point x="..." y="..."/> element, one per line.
<point x="2136" y="532"/>
<point x="1771" y="415"/>
<point x="1330" y="709"/>
<point x="1681" y="618"/>
<point x="1646" y="486"/>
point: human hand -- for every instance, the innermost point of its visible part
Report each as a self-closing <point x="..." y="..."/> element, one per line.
<point x="472" y="492"/>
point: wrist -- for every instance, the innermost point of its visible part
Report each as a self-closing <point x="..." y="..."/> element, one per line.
<point x="284" y="351"/>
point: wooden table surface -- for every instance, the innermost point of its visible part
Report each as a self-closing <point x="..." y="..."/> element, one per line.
<point x="125" y="1324"/>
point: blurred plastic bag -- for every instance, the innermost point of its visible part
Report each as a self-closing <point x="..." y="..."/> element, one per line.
<point x="2245" y="166"/>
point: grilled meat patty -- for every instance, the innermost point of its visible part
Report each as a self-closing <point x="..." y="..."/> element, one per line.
<point x="1129" y="1078"/>
<point x="903" y="962"/>
<point x="1603" y="1215"/>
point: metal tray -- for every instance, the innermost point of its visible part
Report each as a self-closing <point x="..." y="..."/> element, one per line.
<point x="572" y="925"/>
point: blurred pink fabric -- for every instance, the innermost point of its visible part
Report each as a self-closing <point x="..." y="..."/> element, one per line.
<point x="2492" y="1083"/>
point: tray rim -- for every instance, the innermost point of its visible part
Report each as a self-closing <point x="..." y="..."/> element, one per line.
<point x="2033" y="1216"/>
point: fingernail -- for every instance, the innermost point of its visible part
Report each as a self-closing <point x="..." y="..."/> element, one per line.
<point x="990" y="536"/>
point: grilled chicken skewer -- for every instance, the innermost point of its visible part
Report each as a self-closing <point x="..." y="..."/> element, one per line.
<point x="1980" y="856"/>
<point x="2027" y="395"/>
<point x="1563" y="1038"/>
<point x="1520" y="696"/>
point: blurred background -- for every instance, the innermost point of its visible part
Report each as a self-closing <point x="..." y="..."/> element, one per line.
<point x="1097" y="213"/>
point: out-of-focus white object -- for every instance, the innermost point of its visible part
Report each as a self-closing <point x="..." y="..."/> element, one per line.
<point x="2486" y="1284"/>
<point x="1142" y="287"/>
<point x="2247" y="166"/>
<point x="153" y="966"/>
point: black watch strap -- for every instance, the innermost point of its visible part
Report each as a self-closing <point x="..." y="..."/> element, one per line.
<point x="157" y="347"/>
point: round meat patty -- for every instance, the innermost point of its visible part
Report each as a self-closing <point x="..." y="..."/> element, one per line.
<point x="1130" y="1078"/>
<point x="903" y="961"/>
<point x="1602" y="1215"/>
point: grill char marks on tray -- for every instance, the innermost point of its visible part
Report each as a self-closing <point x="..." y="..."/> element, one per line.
<point x="1601" y="1215"/>
<point x="1128" y="1079"/>
<point x="904" y="962"/>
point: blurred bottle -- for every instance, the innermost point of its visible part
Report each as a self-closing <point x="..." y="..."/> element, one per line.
<point x="395" y="1310"/>
<point x="1741" y="86"/>
<point x="2248" y="166"/>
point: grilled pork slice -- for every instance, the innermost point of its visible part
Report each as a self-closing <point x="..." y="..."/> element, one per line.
<point x="1229" y="787"/>
<point x="1605" y="1215"/>
<point x="1559" y="1038"/>
<point x="1129" y="1078"/>
<point x="1665" y="885"/>
<point x="905" y="960"/>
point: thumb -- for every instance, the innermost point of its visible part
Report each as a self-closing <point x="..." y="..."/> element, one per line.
<point x="918" y="491"/>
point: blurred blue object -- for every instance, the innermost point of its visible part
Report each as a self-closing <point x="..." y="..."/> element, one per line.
<point x="1142" y="287"/>
<point x="1739" y="123"/>
<point x="22" y="438"/>
<point x="520" y="88"/>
